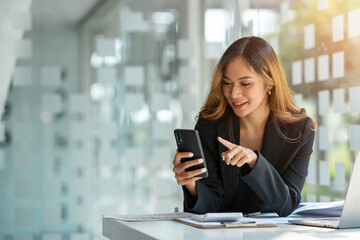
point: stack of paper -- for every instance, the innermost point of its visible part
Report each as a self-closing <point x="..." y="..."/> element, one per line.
<point x="328" y="209"/>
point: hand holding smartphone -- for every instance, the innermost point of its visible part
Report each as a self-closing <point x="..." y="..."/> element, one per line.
<point x="188" y="140"/>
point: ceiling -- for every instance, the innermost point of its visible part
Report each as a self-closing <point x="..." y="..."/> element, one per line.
<point x="64" y="12"/>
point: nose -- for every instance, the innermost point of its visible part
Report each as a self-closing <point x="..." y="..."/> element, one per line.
<point x="235" y="92"/>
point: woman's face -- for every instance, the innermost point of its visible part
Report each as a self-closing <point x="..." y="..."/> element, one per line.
<point x="244" y="89"/>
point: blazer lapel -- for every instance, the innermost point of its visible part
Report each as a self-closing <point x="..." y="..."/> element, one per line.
<point x="273" y="143"/>
<point x="229" y="173"/>
<point x="222" y="131"/>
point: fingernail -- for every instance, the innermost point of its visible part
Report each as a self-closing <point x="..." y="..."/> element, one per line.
<point x="223" y="158"/>
<point x="191" y="154"/>
<point x="219" y="137"/>
<point x="203" y="170"/>
<point x="227" y="163"/>
<point x="200" y="160"/>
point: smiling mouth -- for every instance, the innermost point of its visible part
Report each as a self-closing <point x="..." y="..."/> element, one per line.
<point x="239" y="105"/>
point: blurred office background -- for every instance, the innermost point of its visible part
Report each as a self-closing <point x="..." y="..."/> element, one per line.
<point x="91" y="90"/>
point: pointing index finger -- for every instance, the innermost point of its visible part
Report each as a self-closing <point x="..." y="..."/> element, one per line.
<point x="226" y="143"/>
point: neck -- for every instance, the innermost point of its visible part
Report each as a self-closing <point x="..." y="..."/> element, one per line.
<point x="256" y="120"/>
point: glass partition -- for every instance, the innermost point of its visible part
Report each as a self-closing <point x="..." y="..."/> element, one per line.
<point x="89" y="105"/>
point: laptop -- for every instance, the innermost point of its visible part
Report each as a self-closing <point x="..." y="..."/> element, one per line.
<point x="350" y="215"/>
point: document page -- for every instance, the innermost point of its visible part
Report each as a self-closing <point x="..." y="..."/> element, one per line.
<point x="149" y="217"/>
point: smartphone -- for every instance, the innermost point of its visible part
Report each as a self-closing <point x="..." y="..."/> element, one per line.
<point x="188" y="140"/>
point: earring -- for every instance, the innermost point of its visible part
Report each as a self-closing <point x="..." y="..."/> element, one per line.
<point x="269" y="92"/>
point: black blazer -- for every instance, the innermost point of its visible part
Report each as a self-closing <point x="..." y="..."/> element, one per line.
<point x="274" y="184"/>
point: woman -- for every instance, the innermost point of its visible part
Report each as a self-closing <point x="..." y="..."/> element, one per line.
<point x="257" y="143"/>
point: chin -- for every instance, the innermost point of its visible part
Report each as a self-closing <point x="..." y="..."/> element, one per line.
<point x="240" y="113"/>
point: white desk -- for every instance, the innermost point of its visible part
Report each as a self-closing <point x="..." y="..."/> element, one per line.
<point x="118" y="230"/>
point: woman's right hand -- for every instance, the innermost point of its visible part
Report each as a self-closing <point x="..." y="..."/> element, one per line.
<point x="184" y="178"/>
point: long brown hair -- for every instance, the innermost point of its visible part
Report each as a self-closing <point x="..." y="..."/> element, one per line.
<point x="258" y="54"/>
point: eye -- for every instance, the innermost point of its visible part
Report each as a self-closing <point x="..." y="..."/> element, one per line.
<point x="226" y="83"/>
<point x="245" y="84"/>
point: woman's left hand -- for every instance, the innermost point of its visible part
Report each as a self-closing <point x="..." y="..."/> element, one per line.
<point x="238" y="155"/>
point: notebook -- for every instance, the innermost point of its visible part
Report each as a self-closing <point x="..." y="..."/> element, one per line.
<point x="218" y="217"/>
<point x="350" y="215"/>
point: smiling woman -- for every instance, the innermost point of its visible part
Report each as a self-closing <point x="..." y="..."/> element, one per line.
<point x="257" y="143"/>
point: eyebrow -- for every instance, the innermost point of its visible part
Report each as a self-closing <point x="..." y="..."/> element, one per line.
<point x="240" y="78"/>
